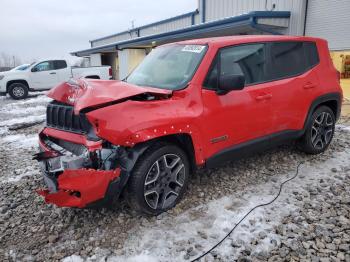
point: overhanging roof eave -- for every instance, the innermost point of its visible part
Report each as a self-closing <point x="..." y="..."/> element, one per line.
<point x="245" y="20"/>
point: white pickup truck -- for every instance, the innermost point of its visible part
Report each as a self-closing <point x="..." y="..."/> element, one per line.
<point x="45" y="75"/>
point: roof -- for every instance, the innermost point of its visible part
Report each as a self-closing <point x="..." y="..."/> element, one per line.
<point x="232" y="25"/>
<point x="226" y="40"/>
<point x="149" y="25"/>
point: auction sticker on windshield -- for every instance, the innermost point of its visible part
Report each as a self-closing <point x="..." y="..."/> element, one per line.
<point x="193" y="48"/>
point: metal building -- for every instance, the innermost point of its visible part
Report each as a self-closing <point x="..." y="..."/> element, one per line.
<point x="329" y="19"/>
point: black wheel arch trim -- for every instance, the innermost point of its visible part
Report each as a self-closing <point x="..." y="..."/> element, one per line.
<point x="323" y="99"/>
<point x="21" y="81"/>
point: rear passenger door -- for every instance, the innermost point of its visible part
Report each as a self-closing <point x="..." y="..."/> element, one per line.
<point x="293" y="82"/>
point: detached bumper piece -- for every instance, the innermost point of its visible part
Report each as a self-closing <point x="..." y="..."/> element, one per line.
<point x="80" y="188"/>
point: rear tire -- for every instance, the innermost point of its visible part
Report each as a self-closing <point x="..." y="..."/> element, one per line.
<point x="18" y="91"/>
<point x="319" y="131"/>
<point x="158" y="180"/>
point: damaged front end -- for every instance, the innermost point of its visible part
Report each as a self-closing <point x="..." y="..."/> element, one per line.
<point x="80" y="168"/>
<point x="79" y="175"/>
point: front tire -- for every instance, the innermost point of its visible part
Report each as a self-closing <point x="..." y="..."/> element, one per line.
<point x="319" y="132"/>
<point x="158" y="180"/>
<point x="18" y="91"/>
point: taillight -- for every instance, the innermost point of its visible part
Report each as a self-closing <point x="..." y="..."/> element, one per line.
<point x="110" y="71"/>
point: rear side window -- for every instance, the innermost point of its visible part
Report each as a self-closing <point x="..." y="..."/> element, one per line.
<point x="311" y="53"/>
<point x="59" y="64"/>
<point x="263" y="62"/>
<point x="292" y="58"/>
<point x="287" y="59"/>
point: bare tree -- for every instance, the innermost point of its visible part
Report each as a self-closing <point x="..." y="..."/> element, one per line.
<point x="7" y="60"/>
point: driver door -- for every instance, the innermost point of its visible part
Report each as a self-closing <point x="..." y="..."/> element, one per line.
<point x="44" y="76"/>
<point x="239" y="116"/>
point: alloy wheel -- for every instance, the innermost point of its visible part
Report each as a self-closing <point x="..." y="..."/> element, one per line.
<point x="322" y="130"/>
<point x="164" y="181"/>
<point x="18" y="91"/>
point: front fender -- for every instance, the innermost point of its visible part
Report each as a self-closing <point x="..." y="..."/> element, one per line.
<point x="133" y="122"/>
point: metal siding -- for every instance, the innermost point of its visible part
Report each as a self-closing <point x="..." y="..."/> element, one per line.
<point x="166" y="27"/>
<point x="111" y="40"/>
<point x="330" y="19"/>
<point x="219" y="9"/>
<point x="279" y="22"/>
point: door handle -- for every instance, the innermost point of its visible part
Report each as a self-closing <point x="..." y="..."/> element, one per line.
<point x="263" y="97"/>
<point x="309" y="86"/>
<point x="53" y="73"/>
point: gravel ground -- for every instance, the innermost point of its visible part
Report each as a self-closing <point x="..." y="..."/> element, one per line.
<point x="309" y="223"/>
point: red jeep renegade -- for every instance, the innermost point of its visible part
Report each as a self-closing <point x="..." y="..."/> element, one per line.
<point x="188" y="104"/>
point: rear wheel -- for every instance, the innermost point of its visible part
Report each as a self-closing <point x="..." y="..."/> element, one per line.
<point x="319" y="132"/>
<point x="159" y="179"/>
<point x="18" y="91"/>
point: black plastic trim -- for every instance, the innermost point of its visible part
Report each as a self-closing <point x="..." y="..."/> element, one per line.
<point x="323" y="99"/>
<point x="251" y="147"/>
<point x="3" y="93"/>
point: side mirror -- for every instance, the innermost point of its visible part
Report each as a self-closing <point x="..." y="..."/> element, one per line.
<point x="34" y="69"/>
<point x="231" y="82"/>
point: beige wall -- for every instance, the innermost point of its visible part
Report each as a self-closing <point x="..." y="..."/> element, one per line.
<point x="135" y="58"/>
<point x="128" y="60"/>
<point x="339" y="58"/>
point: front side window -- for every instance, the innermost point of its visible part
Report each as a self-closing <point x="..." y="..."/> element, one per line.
<point x="44" y="66"/>
<point x="248" y="60"/>
<point x="169" y="67"/>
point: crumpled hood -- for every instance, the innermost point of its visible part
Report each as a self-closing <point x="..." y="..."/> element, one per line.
<point x="85" y="93"/>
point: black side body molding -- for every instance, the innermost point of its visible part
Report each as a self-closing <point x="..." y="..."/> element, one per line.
<point x="251" y="147"/>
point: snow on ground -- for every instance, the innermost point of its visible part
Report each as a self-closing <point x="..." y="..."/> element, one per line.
<point x="18" y="110"/>
<point x="29" y="111"/>
<point x="14" y="179"/>
<point x="169" y="238"/>
<point x="22" y="120"/>
<point x="20" y="141"/>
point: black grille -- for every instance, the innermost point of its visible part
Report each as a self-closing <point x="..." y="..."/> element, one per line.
<point x="62" y="117"/>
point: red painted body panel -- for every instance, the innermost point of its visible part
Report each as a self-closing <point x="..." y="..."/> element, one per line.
<point x="86" y="93"/>
<point x="91" y="185"/>
<point x="233" y="118"/>
<point x="71" y="137"/>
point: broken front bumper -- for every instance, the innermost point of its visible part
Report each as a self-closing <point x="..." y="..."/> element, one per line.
<point x="79" y="188"/>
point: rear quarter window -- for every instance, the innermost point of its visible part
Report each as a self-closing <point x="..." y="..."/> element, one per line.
<point x="59" y="64"/>
<point x="290" y="59"/>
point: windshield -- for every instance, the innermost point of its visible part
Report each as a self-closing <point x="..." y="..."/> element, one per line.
<point x="168" y="67"/>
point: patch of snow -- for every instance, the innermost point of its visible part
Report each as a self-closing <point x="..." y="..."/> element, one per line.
<point x="3" y="131"/>
<point x="21" y="120"/>
<point x="14" y="179"/>
<point x="35" y="100"/>
<point x="168" y="238"/>
<point x="73" y="258"/>
<point x="21" y="141"/>
<point x="17" y="110"/>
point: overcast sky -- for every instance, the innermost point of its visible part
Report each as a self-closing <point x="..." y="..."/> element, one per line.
<point x="33" y="29"/>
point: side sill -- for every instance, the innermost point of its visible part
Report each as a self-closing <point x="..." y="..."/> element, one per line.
<point x="252" y="147"/>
